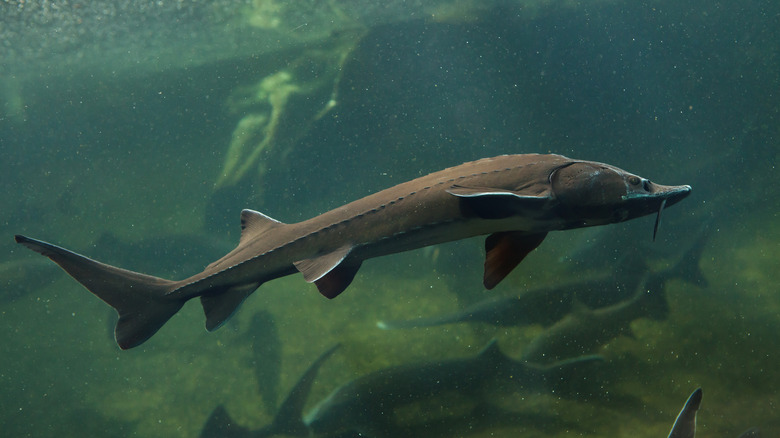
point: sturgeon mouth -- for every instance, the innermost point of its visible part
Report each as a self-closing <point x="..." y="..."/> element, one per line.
<point x="668" y="196"/>
<point x="672" y="194"/>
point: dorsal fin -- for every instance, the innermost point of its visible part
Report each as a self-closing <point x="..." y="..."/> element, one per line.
<point x="254" y="223"/>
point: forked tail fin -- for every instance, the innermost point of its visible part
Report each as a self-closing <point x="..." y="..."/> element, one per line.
<point x="141" y="300"/>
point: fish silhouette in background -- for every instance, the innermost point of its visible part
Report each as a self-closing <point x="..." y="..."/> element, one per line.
<point x="370" y="404"/>
<point x="20" y="277"/>
<point x="288" y="419"/>
<point x="583" y="330"/>
<point x="685" y="424"/>
<point x="548" y="304"/>
<point x="514" y="199"/>
<point x="542" y="305"/>
<point x="266" y="356"/>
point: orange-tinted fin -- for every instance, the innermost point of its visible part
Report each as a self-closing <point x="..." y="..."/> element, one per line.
<point x="506" y="250"/>
<point x="337" y="280"/>
<point x="141" y="300"/>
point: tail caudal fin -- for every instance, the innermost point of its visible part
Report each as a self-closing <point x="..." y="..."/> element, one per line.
<point x="140" y="300"/>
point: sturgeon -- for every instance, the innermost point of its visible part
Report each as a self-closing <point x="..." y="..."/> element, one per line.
<point x="547" y="305"/>
<point x="370" y="404"/>
<point x="288" y="420"/>
<point x="514" y="199"/>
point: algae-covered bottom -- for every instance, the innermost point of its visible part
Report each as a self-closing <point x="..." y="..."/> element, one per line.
<point x="63" y="365"/>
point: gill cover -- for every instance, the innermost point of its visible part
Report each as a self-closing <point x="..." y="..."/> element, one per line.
<point x="590" y="191"/>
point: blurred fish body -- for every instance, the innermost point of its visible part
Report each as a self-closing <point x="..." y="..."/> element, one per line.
<point x="515" y="199"/>
<point x="499" y="311"/>
<point x="366" y="405"/>
<point x="266" y="355"/>
<point x="548" y="304"/>
<point x="582" y="330"/>
<point x="543" y="305"/>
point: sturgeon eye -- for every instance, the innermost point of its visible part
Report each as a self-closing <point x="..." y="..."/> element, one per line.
<point x="633" y="180"/>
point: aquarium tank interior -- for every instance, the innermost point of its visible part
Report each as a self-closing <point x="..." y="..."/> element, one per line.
<point x="253" y="218"/>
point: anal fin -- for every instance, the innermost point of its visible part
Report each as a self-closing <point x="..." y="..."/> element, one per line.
<point x="220" y="306"/>
<point x="504" y="251"/>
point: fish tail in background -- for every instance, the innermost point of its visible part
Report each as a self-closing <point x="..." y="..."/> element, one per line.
<point x="220" y="424"/>
<point x="685" y="424"/>
<point x="140" y="300"/>
<point x="289" y="418"/>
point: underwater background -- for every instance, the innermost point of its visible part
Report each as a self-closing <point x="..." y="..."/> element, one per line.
<point x="135" y="133"/>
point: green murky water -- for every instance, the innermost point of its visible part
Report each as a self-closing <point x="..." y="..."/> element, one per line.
<point x="125" y="166"/>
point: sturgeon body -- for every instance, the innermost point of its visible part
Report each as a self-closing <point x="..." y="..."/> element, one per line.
<point x="514" y="199"/>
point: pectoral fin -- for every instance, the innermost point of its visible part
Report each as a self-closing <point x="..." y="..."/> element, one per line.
<point x="328" y="272"/>
<point x="491" y="203"/>
<point x="506" y="250"/>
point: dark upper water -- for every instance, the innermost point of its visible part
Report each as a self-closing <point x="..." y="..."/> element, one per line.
<point x="145" y="161"/>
